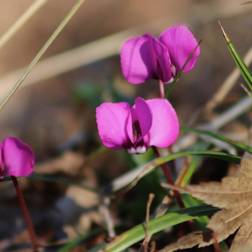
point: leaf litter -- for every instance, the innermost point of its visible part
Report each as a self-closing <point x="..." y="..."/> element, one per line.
<point x="233" y="195"/>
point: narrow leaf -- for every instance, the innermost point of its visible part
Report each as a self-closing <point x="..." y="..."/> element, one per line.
<point x="156" y="225"/>
<point x="149" y="167"/>
<point x="35" y="6"/>
<point x="236" y="144"/>
<point x="238" y="60"/>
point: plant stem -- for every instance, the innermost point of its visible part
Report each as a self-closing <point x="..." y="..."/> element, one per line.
<point x="165" y="168"/>
<point x="161" y="89"/>
<point x="167" y="172"/>
<point x="26" y="214"/>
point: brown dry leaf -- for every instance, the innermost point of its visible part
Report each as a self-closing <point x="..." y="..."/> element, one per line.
<point x="234" y="196"/>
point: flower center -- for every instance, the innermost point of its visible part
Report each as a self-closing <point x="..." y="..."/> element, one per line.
<point x="138" y="147"/>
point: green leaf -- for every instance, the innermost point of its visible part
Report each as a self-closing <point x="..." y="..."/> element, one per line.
<point x="189" y="201"/>
<point x="236" y="144"/>
<point x="149" y="167"/>
<point x="238" y="60"/>
<point x="195" y="162"/>
<point x="156" y="225"/>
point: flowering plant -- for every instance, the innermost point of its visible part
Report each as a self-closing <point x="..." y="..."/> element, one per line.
<point x="152" y="122"/>
<point x="147" y="57"/>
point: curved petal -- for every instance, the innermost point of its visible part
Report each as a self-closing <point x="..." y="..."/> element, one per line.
<point x="136" y="60"/>
<point x="165" y="125"/>
<point x="17" y="157"/>
<point x="161" y="58"/>
<point x="143" y="115"/>
<point x="182" y="47"/>
<point x="111" y="119"/>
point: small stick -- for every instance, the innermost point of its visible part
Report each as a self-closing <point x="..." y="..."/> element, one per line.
<point x="104" y="208"/>
<point x="26" y="214"/>
<point x="147" y="219"/>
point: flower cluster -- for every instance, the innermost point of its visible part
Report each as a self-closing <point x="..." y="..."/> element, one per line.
<point x="16" y="158"/>
<point x="147" y="57"/>
<point x="152" y="122"/>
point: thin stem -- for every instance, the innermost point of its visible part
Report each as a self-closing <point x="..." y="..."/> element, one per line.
<point x="161" y="89"/>
<point x="26" y="214"/>
<point x="165" y="168"/>
<point x="167" y="172"/>
<point x="36" y="5"/>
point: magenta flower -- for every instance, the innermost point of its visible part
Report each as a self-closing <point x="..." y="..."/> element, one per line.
<point x="16" y="158"/>
<point x="147" y="123"/>
<point x="147" y="57"/>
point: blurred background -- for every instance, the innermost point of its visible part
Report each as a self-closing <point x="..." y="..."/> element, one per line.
<point x="54" y="111"/>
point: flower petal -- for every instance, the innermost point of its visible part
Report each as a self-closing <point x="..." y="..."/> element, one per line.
<point x="111" y="119"/>
<point x="165" y="125"/>
<point x="181" y="45"/>
<point x="143" y="115"/>
<point x="17" y="158"/>
<point x="162" y="61"/>
<point x="136" y="59"/>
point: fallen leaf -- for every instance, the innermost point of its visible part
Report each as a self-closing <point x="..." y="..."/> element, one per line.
<point x="233" y="195"/>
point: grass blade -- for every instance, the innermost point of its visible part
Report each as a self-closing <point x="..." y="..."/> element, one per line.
<point x="36" y="5"/>
<point x="156" y="225"/>
<point x="238" y="60"/>
<point x="236" y="144"/>
<point x="149" y="167"/>
<point x="41" y="52"/>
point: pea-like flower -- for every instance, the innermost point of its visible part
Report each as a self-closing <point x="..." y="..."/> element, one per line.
<point x="147" y="123"/>
<point x="148" y="57"/>
<point x="16" y="158"/>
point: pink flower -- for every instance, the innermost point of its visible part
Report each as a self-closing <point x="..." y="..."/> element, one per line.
<point x="147" y="57"/>
<point x="16" y="158"/>
<point x="147" y="123"/>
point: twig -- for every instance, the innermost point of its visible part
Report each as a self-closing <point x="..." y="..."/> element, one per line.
<point x="104" y="208"/>
<point x="147" y="219"/>
<point x="26" y="215"/>
<point x="229" y="115"/>
<point x="41" y="52"/>
<point x="36" y="5"/>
